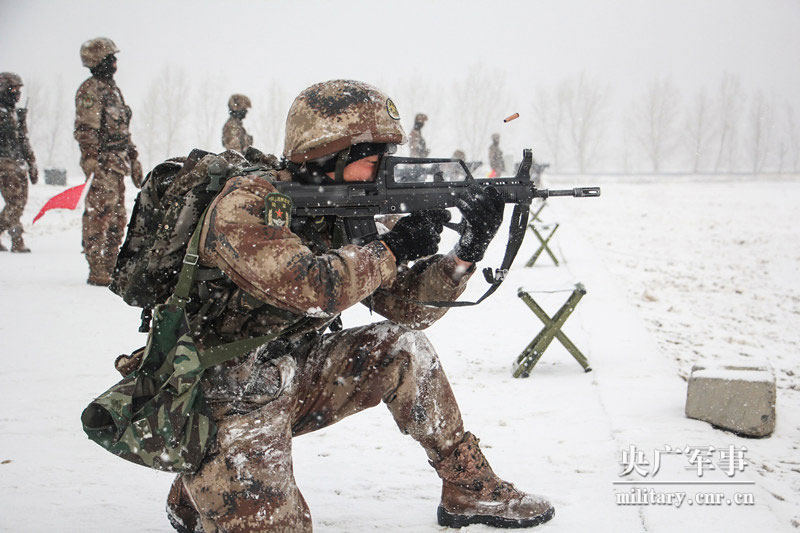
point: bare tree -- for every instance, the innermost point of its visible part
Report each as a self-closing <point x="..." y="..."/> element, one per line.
<point x="270" y="119"/>
<point x="145" y="126"/>
<point x="478" y="100"/>
<point x="586" y="105"/>
<point x="697" y="130"/>
<point x="209" y="113"/>
<point x="162" y="115"/>
<point x="761" y="131"/>
<point x="794" y="138"/>
<point x="550" y="109"/>
<point x="655" y="120"/>
<point x="728" y="111"/>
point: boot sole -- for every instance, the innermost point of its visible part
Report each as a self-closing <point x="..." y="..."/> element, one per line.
<point x="458" y="520"/>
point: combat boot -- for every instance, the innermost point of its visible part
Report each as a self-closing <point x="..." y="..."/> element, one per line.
<point x="17" y="244"/>
<point x="473" y="494"/>
<point x="180" y="510"/>
<point x="98" y="276"/>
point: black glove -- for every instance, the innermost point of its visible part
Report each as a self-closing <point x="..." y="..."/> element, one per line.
<point x="416" y="235"/>
<point x="482" y="210"/>
<point x="33" y="173"/>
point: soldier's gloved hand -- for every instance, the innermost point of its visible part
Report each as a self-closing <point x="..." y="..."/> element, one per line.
<point x="22" y="114"/>
<point x="416" y="235"/>
<point x="136" y="173"/>
<point x="33" y="173"/>
<point x="482" y="209"/>
<point x="133" y="153"/>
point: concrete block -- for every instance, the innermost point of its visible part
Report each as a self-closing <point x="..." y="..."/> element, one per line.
<point x="739" y="397"/>
<point x="55" y="176"/>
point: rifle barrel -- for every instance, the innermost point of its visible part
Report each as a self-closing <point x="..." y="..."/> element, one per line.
<point x="577" y="192"/>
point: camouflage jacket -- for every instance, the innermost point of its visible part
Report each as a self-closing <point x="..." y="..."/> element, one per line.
<point x="496" y="158"/>
<point x="235" y="137"/>
<point x="280" y="276"/>
<point x="102" y="119"/>
<point x="13" y="141"/>
<point x="417" y="145"/>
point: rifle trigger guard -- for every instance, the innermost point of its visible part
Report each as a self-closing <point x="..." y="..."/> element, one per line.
<point x="496" y="278"/>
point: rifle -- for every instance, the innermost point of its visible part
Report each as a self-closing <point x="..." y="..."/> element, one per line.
<point x="407" y="184"/>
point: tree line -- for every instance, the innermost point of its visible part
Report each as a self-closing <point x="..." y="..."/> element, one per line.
<point x="574" y="124"/>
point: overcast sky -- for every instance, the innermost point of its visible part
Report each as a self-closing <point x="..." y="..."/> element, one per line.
<point x="625" y="43"/>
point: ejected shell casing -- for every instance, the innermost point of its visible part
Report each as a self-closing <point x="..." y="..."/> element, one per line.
<point x="511" y="117"/>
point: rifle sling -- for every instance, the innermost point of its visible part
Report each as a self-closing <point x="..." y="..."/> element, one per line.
<point x="180" y="297"/>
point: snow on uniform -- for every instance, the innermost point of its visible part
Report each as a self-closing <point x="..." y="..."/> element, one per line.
<point x="235" y="137"/>
<point x="102" y="130"/>
<point x="16" y="158"/>
<point x="260" y="403"/>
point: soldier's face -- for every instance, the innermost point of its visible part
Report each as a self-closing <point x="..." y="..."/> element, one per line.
<point x="11" y="95"/>
<point x="361" y="170"/>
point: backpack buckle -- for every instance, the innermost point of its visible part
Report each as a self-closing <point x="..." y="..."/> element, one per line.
<point x="191" y="259"/>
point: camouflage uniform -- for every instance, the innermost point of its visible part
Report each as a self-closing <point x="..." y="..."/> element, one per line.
<point x="17" y="162"/>
<point x="311" y="379"/>
<point x="417" y="146"/>
<point x="496" y="156"/>
<point x="102" y="121"/>
<point x="234" y="136"/>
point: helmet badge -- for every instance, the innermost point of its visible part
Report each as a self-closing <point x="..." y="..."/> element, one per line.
<point x="392" y="109"/>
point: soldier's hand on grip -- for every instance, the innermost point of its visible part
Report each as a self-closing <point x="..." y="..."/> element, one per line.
<point x="33" y="174"/>
<point x="482" y="209"/>
<point x="416" y="235"/>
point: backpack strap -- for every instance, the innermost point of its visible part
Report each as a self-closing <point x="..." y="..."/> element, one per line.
<point x="180" y="297"/>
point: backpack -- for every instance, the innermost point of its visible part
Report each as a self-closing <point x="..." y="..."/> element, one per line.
<point x="167" y="210"/>
<point x="156" y="416"/>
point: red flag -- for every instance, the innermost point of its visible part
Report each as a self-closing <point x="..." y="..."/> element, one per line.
<point x="68" y="199"/>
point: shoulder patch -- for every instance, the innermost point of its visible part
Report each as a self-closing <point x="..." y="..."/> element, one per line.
<point x="277" y="210"/>
<point x="87" y="100"/>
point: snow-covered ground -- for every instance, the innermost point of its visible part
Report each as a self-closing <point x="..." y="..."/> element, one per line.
<point x="676" y="270"/>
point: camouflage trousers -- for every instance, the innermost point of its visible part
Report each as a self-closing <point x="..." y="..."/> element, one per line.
<point x="247" y="482"/>
<point x="104" y="218"/>
<point x="14" y="188"/>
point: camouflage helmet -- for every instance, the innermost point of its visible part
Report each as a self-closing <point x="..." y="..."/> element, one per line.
<point x="94" y="51"/>
<point x="330" y="116"/>
<point x="239" y="102"/>
<point x="8" y="80"/>
<point x="420" y="117"/>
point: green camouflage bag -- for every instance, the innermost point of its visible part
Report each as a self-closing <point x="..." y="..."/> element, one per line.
<point x="157" y="416"/>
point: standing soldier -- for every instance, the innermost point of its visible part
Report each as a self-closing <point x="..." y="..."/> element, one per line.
<point x="496" y="157"/>
<point x="416" y="142"/>
<point x="17" y="163"/>
<point x="102" y="123"/>
<point x="234" y="136"/>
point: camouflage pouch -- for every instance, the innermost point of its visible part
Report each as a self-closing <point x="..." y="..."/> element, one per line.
<point x="156" y="416"/>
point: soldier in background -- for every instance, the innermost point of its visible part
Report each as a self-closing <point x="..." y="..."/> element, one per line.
<point x="234" y="136"/>
<point x="496" y="157"/>
<point x="417" y="144"/>
<point x="459" y="154"/>
<point x="102" y="122"/>
<point x="17" y="163"/>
